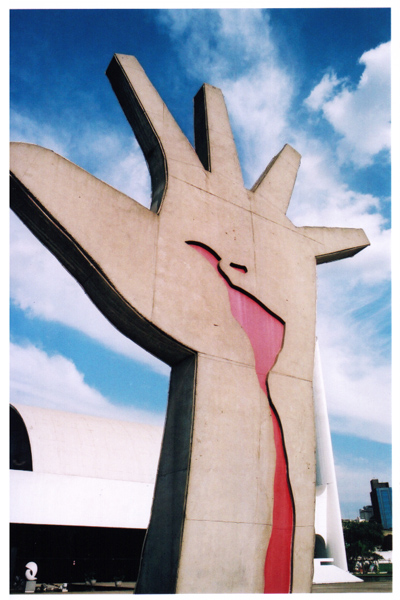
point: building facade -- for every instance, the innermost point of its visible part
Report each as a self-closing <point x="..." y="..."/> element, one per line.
<point x="366" y="513"/>
<point x="81" y="489"/>
<point x="381" y="498"/>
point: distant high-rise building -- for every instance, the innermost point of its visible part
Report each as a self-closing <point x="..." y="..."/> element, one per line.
<point x="381" y="498"/>
<point x="366" y="512"/>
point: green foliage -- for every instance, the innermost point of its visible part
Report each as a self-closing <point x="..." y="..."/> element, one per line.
<point x="361" y="539"/>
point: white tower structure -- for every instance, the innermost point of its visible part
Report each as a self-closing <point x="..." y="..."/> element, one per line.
<point x="328" y="522"/>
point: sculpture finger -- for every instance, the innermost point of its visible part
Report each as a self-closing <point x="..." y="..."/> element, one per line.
<point x="214" y="140"/>
<point x="335" y="243"/>
<point x="97" y="233"/>
<point x="166" y="149"/>
<point x="275" y="185"/>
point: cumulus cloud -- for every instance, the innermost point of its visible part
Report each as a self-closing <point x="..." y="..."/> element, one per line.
<point x="361" y="114"/>
<point x="214" y="42"/>
<point x="353" y="297"/>
<point x="43" y="288"/>
<point x="323" y="91"/>
<point x="352" y="322"/>
<point x="321" y="198"/>
<point x="25" y="129"/>
<point x="357" y="383"/>
<point x="258" y="102"/>
<point x="37" y="379"/>
<point x="233" y="50"/>
<point x="128" y="173"/>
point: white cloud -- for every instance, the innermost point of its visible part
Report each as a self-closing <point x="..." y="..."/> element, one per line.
<point x="361" y="115"/>
<point x="128" y="173"/>
<point x="43" y="288"/>
<point x="357" y="384"/>
<point x="351" y="304"/>
<point x="233" y="50"/>
<point x="320" y="198"/>
<point x="323" y="91"/>
<point x="25" y="129"/>
<point x="214" y="42"/>
<point x="258" y="102"/>
<point x="353" y="297"/>
<point x="354" y="352"/>
<point x="37" y="379"/>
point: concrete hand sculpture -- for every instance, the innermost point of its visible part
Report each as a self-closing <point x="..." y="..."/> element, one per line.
<point x="216" y="281"/>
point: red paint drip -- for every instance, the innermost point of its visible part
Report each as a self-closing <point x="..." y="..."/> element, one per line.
<point x="265" y="332"/>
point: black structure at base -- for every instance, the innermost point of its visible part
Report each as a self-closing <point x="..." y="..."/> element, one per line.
<point x="70" y="554"/>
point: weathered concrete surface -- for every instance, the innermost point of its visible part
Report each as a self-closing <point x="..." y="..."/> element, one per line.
<point x="213" y="504"/>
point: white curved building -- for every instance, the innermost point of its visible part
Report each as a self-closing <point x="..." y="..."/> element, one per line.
<point x="80" y="483"/>
<point x="85" y="470"/>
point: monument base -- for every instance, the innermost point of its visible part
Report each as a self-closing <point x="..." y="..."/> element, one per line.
<point x="326" y="572"/>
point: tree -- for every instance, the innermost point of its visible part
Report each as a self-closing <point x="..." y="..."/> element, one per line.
<point x="362" y="538"/>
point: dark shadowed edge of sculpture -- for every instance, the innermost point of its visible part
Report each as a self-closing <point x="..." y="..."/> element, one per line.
<point x="140" y="123"/>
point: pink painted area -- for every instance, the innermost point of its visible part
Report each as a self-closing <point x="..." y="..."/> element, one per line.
<point x="278" y="562"/>
<point x="265" y="332"/>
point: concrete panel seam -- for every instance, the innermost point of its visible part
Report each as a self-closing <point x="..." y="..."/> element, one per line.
<point x="225" y="360"/>
<point x="306" y="379"/>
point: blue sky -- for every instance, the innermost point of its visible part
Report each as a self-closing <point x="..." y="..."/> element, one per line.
<point x="318" y="79"/>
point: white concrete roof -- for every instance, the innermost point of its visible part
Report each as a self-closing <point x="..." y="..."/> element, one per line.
<point x="46" y="499"/>
<point x="88" y="471"/>
<point x="65" y="443"/>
